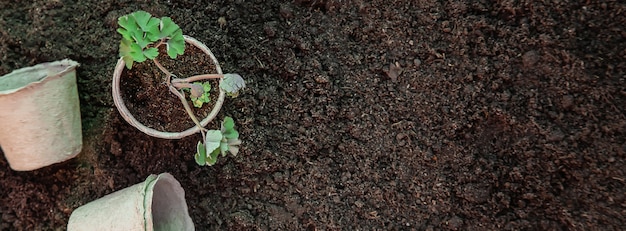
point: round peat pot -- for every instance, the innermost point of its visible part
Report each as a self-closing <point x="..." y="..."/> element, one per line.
<point x="40" y="115"/>
<point x="121" y="107"/>
<point x="158" y="203"/>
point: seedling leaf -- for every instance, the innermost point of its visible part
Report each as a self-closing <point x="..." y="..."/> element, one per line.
<point x="137" y="53"/>
<point x="151" y="53"/>
<point x="231" y="134"/>
<point x="217" y="142"/>
<point x="228" y="123"/>
<point x="233" y="150"/>
<point x="167" y="27"/>
<point x="212" y="158"/>
<point x="128" y="25"/>
<point x="201" y="154"/>
<point x="223" y="148"/>
<point x="176" y="44"/>
<point x="233" y="146"/>
<point x="125" y="51"/>
<point x="232" y="83"/>
<point x="196" y="90"/>
<point x="198" y="101"/>
<point x="213" y="140"/>
<point x="228" y="128"/>
<point x="140" y="30"/>
<point x="146" y="22"/>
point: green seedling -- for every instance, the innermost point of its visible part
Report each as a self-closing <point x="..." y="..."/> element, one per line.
<point x="140" y="31"/>
<point x="199" y="94"/>
<point x="232" y="83"/>
<point x="142" y="35"/>
<point x="223" y="141"/>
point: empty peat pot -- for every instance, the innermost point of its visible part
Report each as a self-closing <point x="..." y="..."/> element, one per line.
<point x="158" y="203"/>
<point x="40" y="115"/>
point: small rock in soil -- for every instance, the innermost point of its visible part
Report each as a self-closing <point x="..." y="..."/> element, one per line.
<point x="394" y="71"/>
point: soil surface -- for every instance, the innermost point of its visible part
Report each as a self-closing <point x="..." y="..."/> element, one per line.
<point x="358" y="115"/>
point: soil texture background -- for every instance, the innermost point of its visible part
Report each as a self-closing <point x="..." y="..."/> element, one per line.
<point x="358" y="115"/>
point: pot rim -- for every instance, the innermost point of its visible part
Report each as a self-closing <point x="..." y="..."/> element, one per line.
<point x="42" y="69"/>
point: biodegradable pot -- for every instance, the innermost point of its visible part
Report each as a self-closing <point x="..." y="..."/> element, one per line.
<point x="40" y="115"/>
<point x="158" y="203"/>
<point x="121" y="107"/>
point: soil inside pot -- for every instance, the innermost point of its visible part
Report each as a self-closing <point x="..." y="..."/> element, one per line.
<point x="148" y="98"/>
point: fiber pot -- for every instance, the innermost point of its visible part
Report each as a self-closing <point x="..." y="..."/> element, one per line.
<point x="40" y="115"/>
<point x="158" y="203"/>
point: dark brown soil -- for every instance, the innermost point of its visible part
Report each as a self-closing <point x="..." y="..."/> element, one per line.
<point x="358" y="115"/>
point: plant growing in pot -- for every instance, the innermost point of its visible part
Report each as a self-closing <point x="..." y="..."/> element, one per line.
<point x="145" y="37"/>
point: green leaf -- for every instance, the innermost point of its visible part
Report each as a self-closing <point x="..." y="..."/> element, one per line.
<point x="213" y="140"/>
<point x="151" y="53"/>
<point x="131" y="52"/>
<point x="142" y="30"/>
<point x="228" y="128"/>
<point x="140" y="27"/>
<point x="137" y="53"/>
<point x="145" y="21"/>
<point x="128" y="25"/>
<point x="201" y="154"/>
<point x="228" y="123"/>
<point x="167" y="27"/>
<point x="141" y="41"/>
<point x="153" y="31"/>
<point x="129" y="62"/>
<point x="232" y="83"/>
<point x="204" y="97"/>
<point x="231" y="134"/>
<point x="125" y="34"/>
<point x="217" y="143"/>
<point x="125" y="53"/>
<point x="176" y="44"/>
<point x="223" y="148"/>
<point x="206" y="86"/>
<point x="197" y="102"/>
<point x="212" y="158"/>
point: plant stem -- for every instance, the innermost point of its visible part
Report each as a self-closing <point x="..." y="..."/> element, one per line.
<point x="181" y="96"/>
<point x="179" y="85"/>
<point x="198" y="78"/>
<point x="168" y="74"/>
